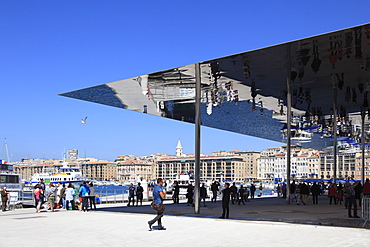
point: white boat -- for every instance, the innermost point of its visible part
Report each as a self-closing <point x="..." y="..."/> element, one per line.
<point x="64" y="174"/>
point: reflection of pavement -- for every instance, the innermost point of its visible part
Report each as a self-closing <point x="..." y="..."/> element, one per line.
<point x="261" y="209"/>
<point x="118" y="225"/>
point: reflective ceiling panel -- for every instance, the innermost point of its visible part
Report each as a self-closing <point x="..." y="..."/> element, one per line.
<point x="247" y="93"/>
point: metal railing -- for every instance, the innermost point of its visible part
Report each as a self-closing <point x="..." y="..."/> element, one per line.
<point x="365" y="209"/>
<point x="112" y="195"/>
<point x="117" y="195"/>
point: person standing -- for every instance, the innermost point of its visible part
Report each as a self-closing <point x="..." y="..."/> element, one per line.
<point x="157" y="205"/>
<point x="332" y="194"/>
<point x="366" y="189"/>
<point x="203" y="194"/>
<point x="69" y="194"/>
<point x="234" y="194"/>
<point x="315" y="190"/>
<point x="131" y="195"/>
<point x="189" y="194"/>
<point x="241" y="195"/>
<point x="260" y="190"/>
<point x="62" y="196"/>
<point x="92" y="196"/>
<point x="292" y="191"/>
<point x="43" y="189"/>
<point x="214" y="189"/>
<point x="278" y="190"/>
<point x="84" y="193"/>
<point x="38" y="192"/>
<point x="59" y="200"/>
<point x="305" y="192"/>
<point x="226" y="192"/>
<point x="340" y="193"/>
<point x="176" y="192"/>
<point x="51" y="193"/>
<point x="351" y="199"/>
<point x="358" y="192"/>
<point x="252" y="189"/>
<point x="139" y="194"/>
<point x="283" y="190"/>
<point x="4" y="198"/>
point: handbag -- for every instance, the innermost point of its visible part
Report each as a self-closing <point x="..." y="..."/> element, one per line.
<point x="158" y="207"/>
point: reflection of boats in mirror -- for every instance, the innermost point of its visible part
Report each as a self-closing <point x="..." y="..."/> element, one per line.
<point x="298" y="135"/>
<point x="183" y="182"/>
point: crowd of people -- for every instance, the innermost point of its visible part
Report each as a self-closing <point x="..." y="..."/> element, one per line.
<point x="62" y="196"/>
<point x="349" y="193"/>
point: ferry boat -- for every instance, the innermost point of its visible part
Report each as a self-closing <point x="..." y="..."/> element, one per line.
<point x="64" y="175"/>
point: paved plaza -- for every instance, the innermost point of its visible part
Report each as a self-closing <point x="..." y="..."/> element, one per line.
<point x="269" y="221"/>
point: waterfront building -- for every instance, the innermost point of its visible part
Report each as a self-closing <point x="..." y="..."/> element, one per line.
<point x="346" y="165"/>
<point x="358" y="172"/>
<point x="272" y="164"/>
<point x="134" y="170"/>
<point x="251" y="163"/>
<point x="224" y="167"/>
<point x="99" y="170"/>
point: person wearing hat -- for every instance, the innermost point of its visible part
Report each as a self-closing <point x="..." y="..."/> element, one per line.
<point x="4" y="198"/>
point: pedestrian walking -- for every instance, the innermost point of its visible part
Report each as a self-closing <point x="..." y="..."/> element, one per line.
<point x="157" y="205"/>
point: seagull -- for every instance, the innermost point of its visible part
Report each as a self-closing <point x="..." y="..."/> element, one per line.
<point x="83" y="120"/>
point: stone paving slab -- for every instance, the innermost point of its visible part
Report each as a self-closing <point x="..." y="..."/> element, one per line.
<point x="263" y="221"/>
<point x="103" y="228"/>
<point x="259" y="209"/>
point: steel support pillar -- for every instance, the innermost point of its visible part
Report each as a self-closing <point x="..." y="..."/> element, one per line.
<point x="335" y="113"/>
<point x="197" y="138"/>
<point x="289" y="126"/>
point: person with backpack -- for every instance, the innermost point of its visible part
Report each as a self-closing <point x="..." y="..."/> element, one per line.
<point x="84" y="193"/>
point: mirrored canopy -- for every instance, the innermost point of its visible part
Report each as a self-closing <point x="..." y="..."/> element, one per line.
<point x="247" y="93"/>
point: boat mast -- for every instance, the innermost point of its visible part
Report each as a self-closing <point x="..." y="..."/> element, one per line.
<point x="6" y="150"/>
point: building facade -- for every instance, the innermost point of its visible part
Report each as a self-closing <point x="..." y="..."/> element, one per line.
<point x="133" y="170"/>
<point x="99" y="170"/>
<point x="223" y="167"/>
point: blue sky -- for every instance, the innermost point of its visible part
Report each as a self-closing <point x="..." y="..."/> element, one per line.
<point x="50" y="47"/>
